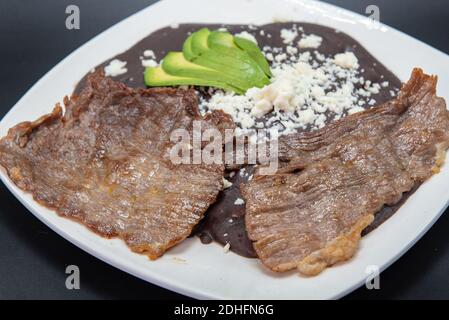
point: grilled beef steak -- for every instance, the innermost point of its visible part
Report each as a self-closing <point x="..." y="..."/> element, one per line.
<point x="105" y="163"/>
<point x="311" y="213"/>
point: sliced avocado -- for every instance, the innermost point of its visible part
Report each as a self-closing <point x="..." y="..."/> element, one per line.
<point x="157" y="77"/>
<point x="199" y="41"/>
<point x="254" y="52"/>
<point x="235" y="64"/>
<point x="187" y="48"/>
<point x="214" y="59"/>
<point x="175" y="64"/>
<point x="221" y="39"/>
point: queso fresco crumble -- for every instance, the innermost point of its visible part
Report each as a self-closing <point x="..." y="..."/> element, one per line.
<point x="307" y="89"/>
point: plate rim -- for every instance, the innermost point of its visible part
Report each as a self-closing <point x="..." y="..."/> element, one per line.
<point x="168" y="283"/>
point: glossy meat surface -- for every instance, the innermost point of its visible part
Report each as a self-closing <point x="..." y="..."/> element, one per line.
<point x="311" y="213"/>
<point x="105" y="163"/>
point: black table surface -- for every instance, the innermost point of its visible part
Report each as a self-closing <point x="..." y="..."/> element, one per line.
<point x="33" y="259"/>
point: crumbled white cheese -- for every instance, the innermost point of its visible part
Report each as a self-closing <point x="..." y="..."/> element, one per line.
<point x="149" y="54"/>
<point x="226" y="183"/>
<point x="305" y="93"/>
<point x="346" y="60"/>
<point x="319" y="56"/>
<point x="305" y="56"/>
<point x="261" y="108"/>
<point x="307" y="116"/>
<point x="280" y="57"/>
<point x="288" y="35"/>
<point x="355" y="110"/>
<point x="115" y="68"/>
<point x="227" y="247"/>
<point x="149" y="63"/>
<point x="320" y="121"/>
<point x="373" y="88"/>
<point x="246" y="35"/>
<point x="310" y="41"/>
<point x="291" y="50"/>
<point x="239" y="201"/>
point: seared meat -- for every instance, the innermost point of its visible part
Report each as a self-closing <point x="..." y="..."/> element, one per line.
<point x="105" y="163"/>
<point x="311" y="213"/>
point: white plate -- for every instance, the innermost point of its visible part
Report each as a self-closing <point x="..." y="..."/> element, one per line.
<point x="205" y="271"/>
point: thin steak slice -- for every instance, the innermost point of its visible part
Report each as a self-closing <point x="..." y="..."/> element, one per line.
<point x="105" y="163"/>
<point x="311" y="213"/>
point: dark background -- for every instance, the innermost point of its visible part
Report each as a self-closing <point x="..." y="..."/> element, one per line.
<point x="33" y="38"/>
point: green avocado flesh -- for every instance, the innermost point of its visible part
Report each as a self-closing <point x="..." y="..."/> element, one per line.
<point x="214" y="59"/>
<point x="199" y="41"/>
<point x="254" y="52"/>
<point x="157" y="77"/>
<point x="187" y="48"/>
<point x="236" y="64"/>
<point x="225" y="39"/>
<point x="175" y="64"/>
<point x="221" y="39"/>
